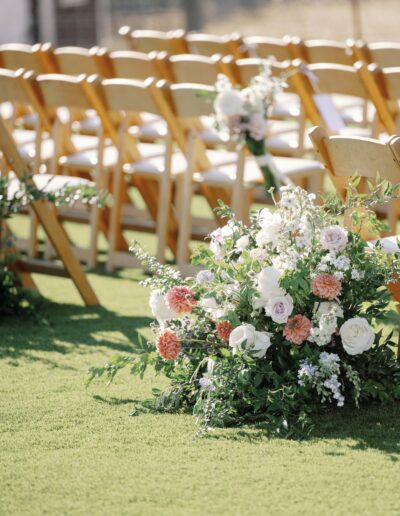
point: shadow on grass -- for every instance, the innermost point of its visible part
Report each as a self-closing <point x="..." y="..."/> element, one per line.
<point x="371" y="427"/>
<point x="69" y="329"/>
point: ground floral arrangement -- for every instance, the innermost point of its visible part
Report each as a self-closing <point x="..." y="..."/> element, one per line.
<point x="285" y="319"/>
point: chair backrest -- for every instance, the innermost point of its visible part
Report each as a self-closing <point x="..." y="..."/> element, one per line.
<point x="210" y="44"/>
<point x="130" y="64"/>
<point x="322" y="51"/>
<point x="386" y="55"/>
<point x="260" y="46"/>
<point x="345" y="156"/>
<point x="60" y="90"/>
<point x="129" y="96"/>
<point x="146" y="41"/>
<point x="78" y="60"/>
<point x="18" y="55"/>
<point x="20" y="87"/>
<point x="198" y="69"/>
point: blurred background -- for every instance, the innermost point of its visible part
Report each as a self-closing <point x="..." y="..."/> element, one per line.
<point x="90" y="22"/>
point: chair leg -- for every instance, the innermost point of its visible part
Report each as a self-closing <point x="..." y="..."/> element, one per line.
<point x="115" y="219"/>
<point x="184" y="194"/>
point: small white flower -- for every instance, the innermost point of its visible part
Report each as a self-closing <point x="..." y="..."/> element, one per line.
<point x="357" y="335"/>
<point x="342" y="263"/>
<point x="328" y="307"/>
<point x="242" y="243"/>
<point x="258" y="254"/>
<point x="357" y="274"/>
<point x="206" y="383"/>
<point x="333" y="238"/>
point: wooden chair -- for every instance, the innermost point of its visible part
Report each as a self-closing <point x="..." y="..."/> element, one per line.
<point x="322" y="51"/>
<point x="197" y="69"/>
<point x="344" y="156"/>
<point x="209" y="44"/>
<point x="51" y="225"/>
<point x="385" y="55"/>
<point x="383" y="87"/>
<point x="19" y="55"/>
<point x="130" y="64"/>
<point x="172" y="42"/>
<point x="78" y="60"/>
<point x="318" y="85"/>
<point x="233" y="182"/>
<point x="267" y="47"/>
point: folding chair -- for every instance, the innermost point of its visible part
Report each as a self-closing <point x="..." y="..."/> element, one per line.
<point x="51" y="225"/>
<point x="233" y="182"/>
<point x="172" y="42"/>
<point x="19" y="55"/>
<point x="267" y="47"/>
<point x="209" y="44"/>
<point x="78" y="60"/>
<point x="383" y="87"/>
<point x="318" y="85"/>
<point x="130" y="64"/>
<point x="322" y="51"/>
<point x="385" y="55"/>
<point x="343" y="156"/>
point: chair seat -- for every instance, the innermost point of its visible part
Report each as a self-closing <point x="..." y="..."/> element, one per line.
<point x="88" y="159"/>
<point x="226" y="175"/>
<point x="154" y="130"/>
<point x="28" y="151"/>
<point x="286" y="105"/>
<point x="293" y="167"/>
<point x="287" y="144"/>
<point x="23" y="136"/>
<point x="156" y="166"/>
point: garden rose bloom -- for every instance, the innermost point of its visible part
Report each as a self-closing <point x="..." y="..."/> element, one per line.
<point x="279" y="307"/>
<point x="159" y="307"/>
<point x="334" y="238"/>
<point x="326" y="286"/>
<point x="224" y="329"/>
<point x="268" y="281"/>
<point x="255" y="341"/>
<point x="180" y="299"/>
<point x="229" y="103"/>
<point x="357" y="335"/>
<point x="297" y="329"/>
<point x="168" y="345"/>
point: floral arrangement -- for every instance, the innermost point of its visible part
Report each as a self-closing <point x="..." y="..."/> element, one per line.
<point x="243" y="112"/>
<point x="285" y="319"/>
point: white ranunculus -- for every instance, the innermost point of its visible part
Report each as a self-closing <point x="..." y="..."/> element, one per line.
<point x="268" y="281"/>
<point x="357" y="335"/>
<point x="262" y="342"/>
<point x="279" y="308"/>
<point x="229" y="103"/>
<point x="209" y="303"/>
<point x="243" y="334"/>
<point x="159" y="307"/>
<point x="328" y="307"/>
<point x="333" y="238"/>
<point x="242" y="243"/>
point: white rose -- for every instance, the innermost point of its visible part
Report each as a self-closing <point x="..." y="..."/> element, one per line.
<point x="333" y="238"/>
<point x="262" y="342"/>
<point x="279" y="308"/>
<point x="159" y="307"/>
<point x="245" y="333"/>
<point x="242" y="243"/>
<point x="268" y="281"/>
<point x="328" y="307"/>
<point x="357" y="335"/>
<point x="229" y="103"/>
<point x="226" y="231"/>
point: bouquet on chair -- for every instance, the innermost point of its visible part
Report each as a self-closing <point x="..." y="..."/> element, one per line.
<point x="243" y="113"/>
<point x="286" y="318"/>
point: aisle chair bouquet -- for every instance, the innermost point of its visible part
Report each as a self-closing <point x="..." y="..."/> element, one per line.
<point x="242" y="113"/>
<point x="284" y="319"/>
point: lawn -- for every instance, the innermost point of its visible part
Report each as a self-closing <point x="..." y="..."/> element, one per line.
<point x="70" y="450"/>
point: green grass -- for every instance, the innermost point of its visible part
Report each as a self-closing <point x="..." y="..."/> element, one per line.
<point x="70" y="450"/>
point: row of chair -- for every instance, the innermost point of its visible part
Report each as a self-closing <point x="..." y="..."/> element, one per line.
<point x="282" y="49"/>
